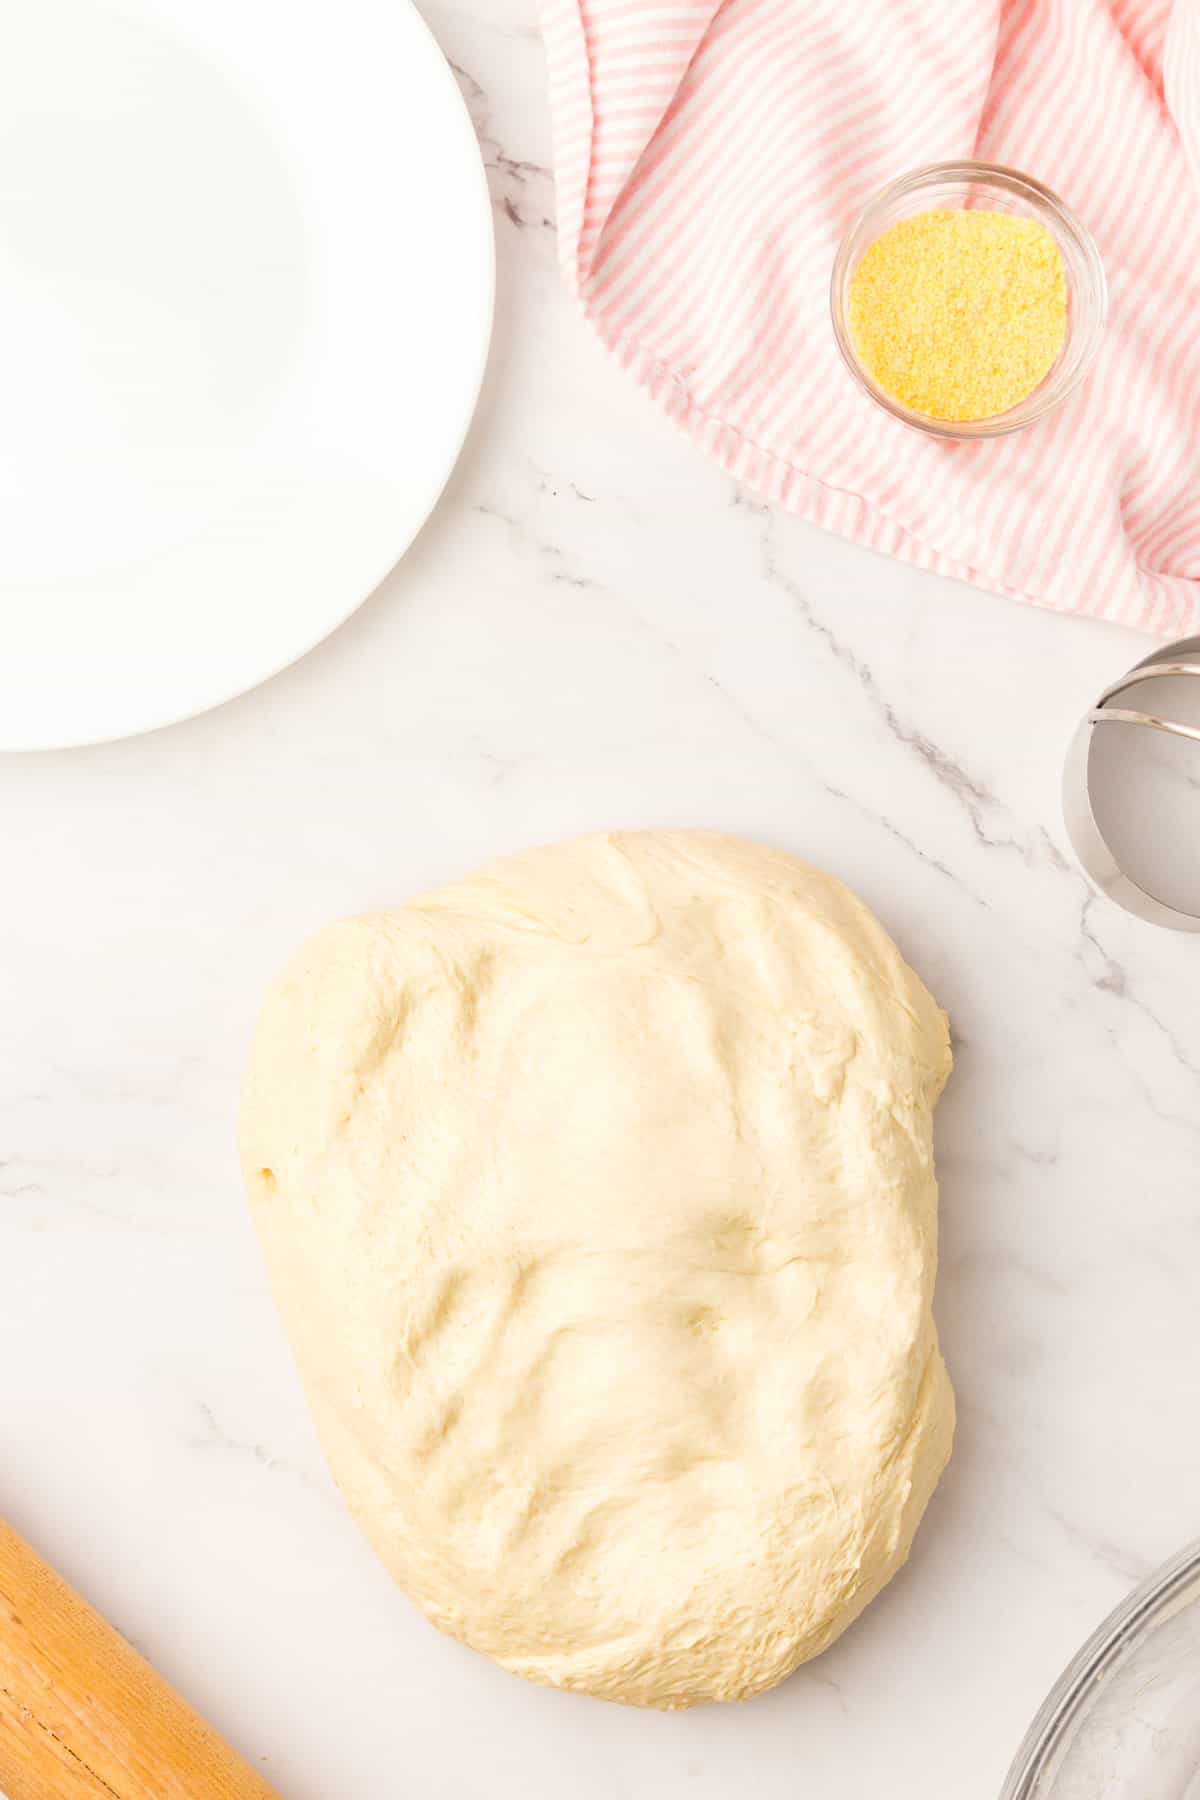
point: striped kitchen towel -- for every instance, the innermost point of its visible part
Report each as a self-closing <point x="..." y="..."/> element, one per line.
<point x="709" y="155"/>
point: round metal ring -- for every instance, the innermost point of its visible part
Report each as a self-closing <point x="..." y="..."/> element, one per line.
<point x="1087" y="840"/>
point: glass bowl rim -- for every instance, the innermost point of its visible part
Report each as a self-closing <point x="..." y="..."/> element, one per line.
<point x="1048" y="396"/>
<point x="1124" y="1627"/>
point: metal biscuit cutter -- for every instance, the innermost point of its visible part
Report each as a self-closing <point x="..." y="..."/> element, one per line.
<point x="1091" y="846"/>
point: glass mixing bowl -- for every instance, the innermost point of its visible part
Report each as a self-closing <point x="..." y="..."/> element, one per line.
<point x="1123" y="1722"/>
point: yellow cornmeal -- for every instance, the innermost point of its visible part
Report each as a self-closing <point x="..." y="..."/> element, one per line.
<point x="960" y="314"/>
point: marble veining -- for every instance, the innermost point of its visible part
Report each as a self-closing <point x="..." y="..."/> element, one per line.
<point x="595" y="629"/>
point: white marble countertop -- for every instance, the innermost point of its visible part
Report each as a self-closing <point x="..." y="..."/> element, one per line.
<point x="595" y="629"/>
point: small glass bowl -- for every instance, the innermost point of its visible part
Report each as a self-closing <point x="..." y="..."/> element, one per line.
<point x="985" y="186"/>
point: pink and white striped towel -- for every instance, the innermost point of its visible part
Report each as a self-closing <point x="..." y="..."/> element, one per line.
<point x="709" y="155"/>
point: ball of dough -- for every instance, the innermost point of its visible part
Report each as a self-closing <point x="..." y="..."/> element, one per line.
<point x="598" y="1198"/>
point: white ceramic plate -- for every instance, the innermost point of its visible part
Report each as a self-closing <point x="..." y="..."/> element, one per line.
<point x="246" y="278"/>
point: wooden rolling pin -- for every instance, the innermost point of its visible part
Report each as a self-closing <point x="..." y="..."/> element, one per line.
<point x="82" y="1717"/>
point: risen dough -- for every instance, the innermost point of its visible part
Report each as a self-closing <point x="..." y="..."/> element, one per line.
<point x="598" y="1197"/>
